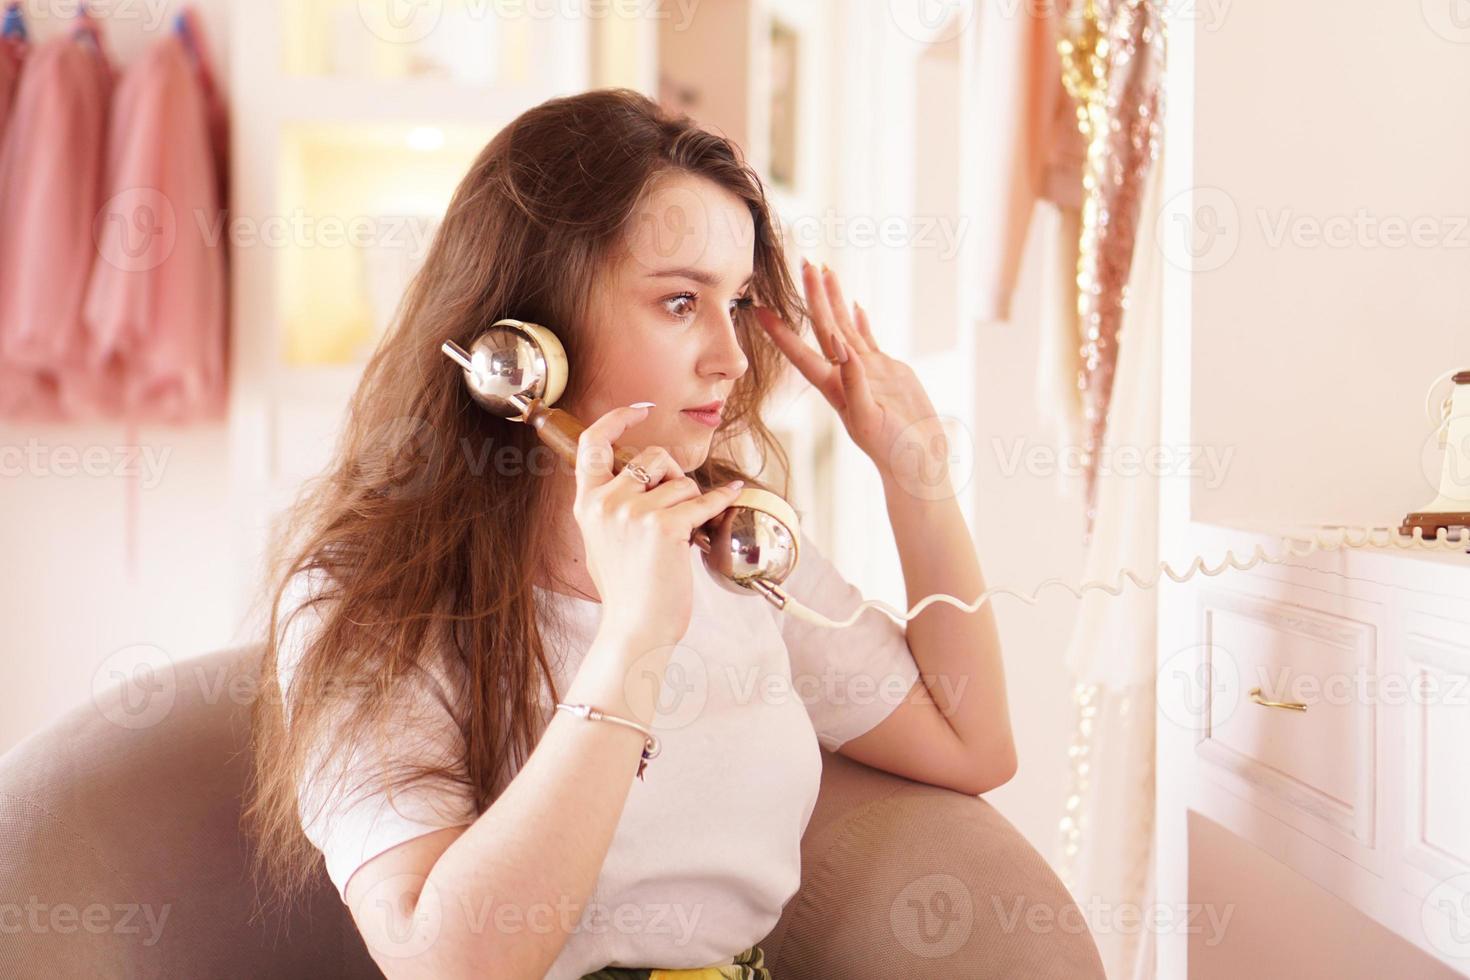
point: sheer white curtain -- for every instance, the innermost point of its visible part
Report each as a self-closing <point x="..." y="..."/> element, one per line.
<point x="1105" y="847"/>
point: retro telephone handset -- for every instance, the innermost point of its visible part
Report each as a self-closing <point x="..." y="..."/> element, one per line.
<point x="517" y="370"/>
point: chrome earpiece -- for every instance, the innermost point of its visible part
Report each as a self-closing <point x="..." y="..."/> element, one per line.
<point x="512" y="364"/>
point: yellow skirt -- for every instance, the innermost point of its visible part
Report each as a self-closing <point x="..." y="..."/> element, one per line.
<point x="750" y="964"/>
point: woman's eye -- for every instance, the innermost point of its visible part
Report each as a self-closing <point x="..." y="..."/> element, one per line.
<point x="676" y="305"/>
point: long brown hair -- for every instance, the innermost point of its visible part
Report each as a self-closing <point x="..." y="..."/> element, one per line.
<point x="415" y="534"/>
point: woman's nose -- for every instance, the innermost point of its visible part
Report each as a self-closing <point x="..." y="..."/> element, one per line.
<point x="725" y="355"/>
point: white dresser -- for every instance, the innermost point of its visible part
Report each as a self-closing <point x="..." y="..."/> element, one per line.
<point x="1321" y="712"/>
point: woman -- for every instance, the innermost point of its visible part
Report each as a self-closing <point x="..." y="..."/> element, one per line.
<point x="446" y="583"/>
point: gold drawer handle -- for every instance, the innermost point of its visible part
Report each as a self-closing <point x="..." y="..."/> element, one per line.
<point x="1293" y="705"/>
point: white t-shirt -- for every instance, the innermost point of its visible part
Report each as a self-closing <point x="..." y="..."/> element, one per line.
<point x="707" y="850"/>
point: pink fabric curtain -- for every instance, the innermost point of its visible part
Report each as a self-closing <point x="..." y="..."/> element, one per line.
<point x="113" y="291"/>
<point x="155" y="307"/>
<point x="12" y="59"/>
<point x="50" y="179"/>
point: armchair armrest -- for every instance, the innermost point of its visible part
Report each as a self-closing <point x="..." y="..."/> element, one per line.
<point x="904" y="879"/>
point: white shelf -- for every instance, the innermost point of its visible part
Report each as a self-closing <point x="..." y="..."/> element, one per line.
<point x="1269" y="535"/>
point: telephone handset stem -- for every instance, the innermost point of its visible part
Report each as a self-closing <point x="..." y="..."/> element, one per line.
<point x="562" y="431"/>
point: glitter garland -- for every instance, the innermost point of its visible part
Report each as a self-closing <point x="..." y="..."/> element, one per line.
<point x="1112" y="56"/>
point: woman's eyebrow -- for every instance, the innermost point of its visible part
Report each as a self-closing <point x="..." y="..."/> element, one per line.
<point x="698" y="275"/>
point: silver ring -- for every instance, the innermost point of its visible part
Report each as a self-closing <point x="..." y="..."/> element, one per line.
<point x="638" y="473"/>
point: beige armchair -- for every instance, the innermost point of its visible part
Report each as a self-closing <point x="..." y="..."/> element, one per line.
<point x="121" y="855"/>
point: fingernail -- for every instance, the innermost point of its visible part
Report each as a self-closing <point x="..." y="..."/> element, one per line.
<point x="841" y="352"/>
<point x="805" y="262"/>
<point x="826" y="271"/>
<point x="641" y="405"/>
<point x="735" y="484"/>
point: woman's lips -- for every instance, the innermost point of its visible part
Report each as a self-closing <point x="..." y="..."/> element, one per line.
<point x="711" y="419"/>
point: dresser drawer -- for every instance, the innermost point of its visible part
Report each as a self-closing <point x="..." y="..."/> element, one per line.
<point x="1435" y="723"/>
<point x="1291" y="721"/>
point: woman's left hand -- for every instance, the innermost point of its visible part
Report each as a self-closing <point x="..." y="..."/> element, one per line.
<point x="880" y="400"/>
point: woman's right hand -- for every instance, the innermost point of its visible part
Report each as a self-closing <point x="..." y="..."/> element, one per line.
<point x="637" y="537"/>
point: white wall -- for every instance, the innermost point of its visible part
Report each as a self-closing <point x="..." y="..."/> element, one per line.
<point x="1028" y="529"/>
<point x="1332" y="227"/>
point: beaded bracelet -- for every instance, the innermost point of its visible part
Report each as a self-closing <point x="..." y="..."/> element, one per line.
<point x="651" y="747"/>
